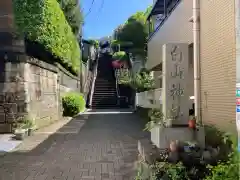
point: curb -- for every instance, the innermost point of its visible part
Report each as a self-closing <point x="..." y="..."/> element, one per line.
<point x="86" y="110"/>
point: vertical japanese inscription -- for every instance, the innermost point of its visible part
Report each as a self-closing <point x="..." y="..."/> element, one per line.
<point x="177" y="75"/>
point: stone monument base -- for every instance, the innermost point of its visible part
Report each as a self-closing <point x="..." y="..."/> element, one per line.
<point x="162" y="136"/>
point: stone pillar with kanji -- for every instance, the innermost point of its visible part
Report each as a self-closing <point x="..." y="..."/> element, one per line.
<point x="175" y="92"/>
<point x="175" y="97"/>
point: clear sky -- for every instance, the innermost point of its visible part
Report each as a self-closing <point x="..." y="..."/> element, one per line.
<point x="101" y="22"/>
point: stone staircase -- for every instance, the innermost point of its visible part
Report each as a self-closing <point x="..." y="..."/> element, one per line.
<point x="105" y="93"/>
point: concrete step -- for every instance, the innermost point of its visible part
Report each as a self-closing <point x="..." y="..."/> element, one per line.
<point x="105" y="107"/>
<point x="105" y="97"/>
<point x="104" y="87"/>
<point x="103" y="100"/>
<point x="113" y="92"/>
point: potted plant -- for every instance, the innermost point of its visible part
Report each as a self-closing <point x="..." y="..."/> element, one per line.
<point x="192" y="123"/>
<point x="156" y="119"/>
<point x="20" y="132"/>
<point x="29" y="124"/>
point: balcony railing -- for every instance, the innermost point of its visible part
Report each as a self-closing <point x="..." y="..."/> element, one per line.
<point x="168" y="7"/>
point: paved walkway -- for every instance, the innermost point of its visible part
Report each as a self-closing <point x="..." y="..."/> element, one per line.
<point x="93" y="146"/>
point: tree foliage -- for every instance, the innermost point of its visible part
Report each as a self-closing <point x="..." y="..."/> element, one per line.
<point x="143" y="81"/>
<point x="135" y="30"/>
<point x="44" y="22"/>
<point x="94" y="42"/>
<point x="147" y="12"/>
<point x="73" y="14"/>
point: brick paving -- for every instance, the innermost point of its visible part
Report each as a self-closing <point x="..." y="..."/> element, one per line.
<point x="90" y="147"/>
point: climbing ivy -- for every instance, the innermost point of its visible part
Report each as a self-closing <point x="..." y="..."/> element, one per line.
<point x="45" y="23"/>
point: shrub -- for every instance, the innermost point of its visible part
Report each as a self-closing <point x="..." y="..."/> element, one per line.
<point x="73" y="103"/>
<point x="225" y="170"/>
<point x="227" y="167"/>
<point x="165" y="170"/>
<point x="219" y="139"/>
<point x="143" y="82"/>
<point x="44" y="22"/>
<point x="124" y="77"/>
<point x="121" y="55"/>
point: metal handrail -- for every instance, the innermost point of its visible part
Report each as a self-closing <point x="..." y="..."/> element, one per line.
<point x="87" y="83"/>
<point x="116" y="81"/>
<point x="93" y="82"/>
<point x="117" y="87"/>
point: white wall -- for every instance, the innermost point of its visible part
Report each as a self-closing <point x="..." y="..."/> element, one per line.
<point x="176" y="29"/>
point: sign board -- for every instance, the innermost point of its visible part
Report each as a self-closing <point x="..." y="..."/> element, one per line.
<point x="237" y="101"/>
<point x="238" y="109"/>
<point x="238" y="92"/>
<point x="238" y="112"/>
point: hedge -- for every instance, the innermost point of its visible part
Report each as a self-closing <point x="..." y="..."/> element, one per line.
<point x="44" y="22"/>
<point x="73" y="103"/>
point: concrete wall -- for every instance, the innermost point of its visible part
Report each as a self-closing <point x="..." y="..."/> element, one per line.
<point x="137" y="63"/>
<point x="176" y="29"/>
<point x="158" y="80"/>
<point x="218" y="63"/>
<point x="34" y="88"/>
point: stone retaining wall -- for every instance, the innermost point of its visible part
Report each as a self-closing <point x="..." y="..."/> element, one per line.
<point x="34" y="88"/>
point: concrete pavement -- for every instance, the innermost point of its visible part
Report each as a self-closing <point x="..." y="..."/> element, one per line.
<point x="98" y="145"/>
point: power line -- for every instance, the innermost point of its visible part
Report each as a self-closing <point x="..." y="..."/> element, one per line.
<point x="90" y="9"/>
<point x="101" y="7"/>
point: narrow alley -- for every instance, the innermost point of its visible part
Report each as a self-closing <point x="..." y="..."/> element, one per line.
<point x="97" y="145"/>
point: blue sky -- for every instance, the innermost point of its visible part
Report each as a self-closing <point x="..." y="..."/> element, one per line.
<point x="102" y="22"/>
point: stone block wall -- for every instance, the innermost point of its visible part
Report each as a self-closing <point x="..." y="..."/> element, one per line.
<point x="68" y="80"/>
<point x="34" y="88"/>
<point x="42" y="92"/>
<point x="13" y="102"/>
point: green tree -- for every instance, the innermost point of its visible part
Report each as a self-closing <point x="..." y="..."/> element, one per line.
<point x="147" y="12"/>
<point x="73" y="14"/>
<point x="135" y="30"/>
